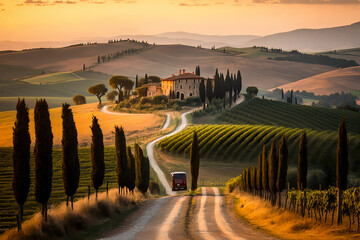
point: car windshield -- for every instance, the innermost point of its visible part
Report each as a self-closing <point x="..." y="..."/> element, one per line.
<point x="179" y="176"/>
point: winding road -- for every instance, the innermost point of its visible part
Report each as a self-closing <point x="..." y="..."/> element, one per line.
<point x="202" y="216"/>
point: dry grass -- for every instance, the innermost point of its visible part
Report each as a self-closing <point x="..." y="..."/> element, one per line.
<point x="134" y="125"/>
<point x="63" y="222"/>
<point x="285" y="224"/>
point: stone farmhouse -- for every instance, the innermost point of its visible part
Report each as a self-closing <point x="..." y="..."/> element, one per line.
<point x="153" y="89"/>
<point x="182" y="86"/>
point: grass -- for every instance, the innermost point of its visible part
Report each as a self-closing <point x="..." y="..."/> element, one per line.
<point x="284" y="224"/>
<point x="8" y="204"/>
<point x="53" y="78"/>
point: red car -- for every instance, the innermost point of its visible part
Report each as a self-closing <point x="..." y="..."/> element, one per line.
<point x="178" y="181"/>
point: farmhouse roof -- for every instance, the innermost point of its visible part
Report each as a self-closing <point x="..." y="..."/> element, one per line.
<point x="182" y="76"/>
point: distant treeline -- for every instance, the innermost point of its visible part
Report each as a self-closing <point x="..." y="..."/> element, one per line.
<point x="130" y="51"/>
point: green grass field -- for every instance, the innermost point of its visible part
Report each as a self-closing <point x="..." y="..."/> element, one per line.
<point x="266" y="112"/>
<point x="54" y="78"/>
<point x="8" y="204"/>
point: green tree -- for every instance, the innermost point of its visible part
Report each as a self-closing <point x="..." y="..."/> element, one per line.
<point x="150" y="79"/>
<point x="194" y="162"/>
<point x="202" y="92"/>
<point x="259" y="175"/>
<point x="131" y="167"/>
<point x="239" y="82"/>
<point x="98" y="90"/>
<point x="209" y="90"/>
<point x="97" y="155"/>
<point x="70" y="163"/>
<point x="111" y="95"/>
<point x="79" y="99"/>
<point x="136" y="81"/>
<point x="302" y="163"/>
<point x="273" y="169"/>
<point x="21" y="157"/>
<point x="217" y="87"/>
<point x="121" y="83"/>
<point x="342" y="166"/>
<point x="283" y="166"/>
<point x="142" y="91"/>
<point x="141" y="182"/>
<point x="265" y="170"/>
<point x="121" y="158"/>
<point x="43" y="154"/>
<point x="252" y="91"/>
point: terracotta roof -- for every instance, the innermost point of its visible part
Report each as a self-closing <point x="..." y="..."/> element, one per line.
<point x="183" y="76"/>
<point x="153" y="84"/>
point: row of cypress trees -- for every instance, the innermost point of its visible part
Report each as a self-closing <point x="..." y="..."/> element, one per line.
<point x="131" y="171"/>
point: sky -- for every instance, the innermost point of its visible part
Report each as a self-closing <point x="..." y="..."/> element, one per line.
<point x="54" y="20"/>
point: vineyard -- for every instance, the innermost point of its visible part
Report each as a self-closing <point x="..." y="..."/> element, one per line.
<point x="266" y="112"/>
<point x="244" y="142"/>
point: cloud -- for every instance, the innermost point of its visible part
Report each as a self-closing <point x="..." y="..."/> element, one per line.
<point x="125" y="1"/>
<point x="64" y="2"/>
<point x="193" y="4"/>
<point x="308" y="1"/>
<point x="36" y="2"/>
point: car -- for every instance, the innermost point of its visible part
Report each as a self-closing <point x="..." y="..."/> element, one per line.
<point x="178" y="181"/>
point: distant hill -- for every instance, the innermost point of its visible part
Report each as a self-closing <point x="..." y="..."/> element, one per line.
<point x="347" y="80"/>
<point x="347" y="54"/>
<point x="313" y="40"/>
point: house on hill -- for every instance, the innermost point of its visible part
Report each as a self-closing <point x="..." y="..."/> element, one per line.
<point x="154" y="89"/>
<point x="183" y="85"/>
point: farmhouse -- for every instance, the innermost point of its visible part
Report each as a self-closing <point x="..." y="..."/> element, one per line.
<point x="154" y="89"/>
<point x="182" y="86"/>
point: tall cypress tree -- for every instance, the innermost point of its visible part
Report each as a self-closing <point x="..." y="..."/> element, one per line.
<point x="282" y="94"/>
<point x="273" y="169"/>
<point x="21" y="157"/>
<point x="259" y="174"/>
<point x="230" y="91"/>
<point x="70" y="163"/>
<point x="239" y="80"/>
<point x="283" y="166"/>
<point x="136" y="81"/>
<point x="234" y="84"/>
<point x="121" y="158"/>
<point x="97" y="155"/>
<point x="265" y="170"/>
<point x="342" y="166"/>
<point x="302" y="163"/>
<point x="217" y="87"/>
<point x="141" y="170"/>
<point x="194" y="162"/>
<point x="131" y="168"/>
<point x="146" y="172"/>
<point x="209" y="90"/>
<point x="202" y="92"/>
<point x="146" y="79"/>
<point x="43" y="154"/>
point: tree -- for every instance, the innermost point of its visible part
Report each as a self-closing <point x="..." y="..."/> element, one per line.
<point x="43" y="154"/>
<point x="252" y="91"/>
<point x="141" y="182"/>
<point x="131" y="167"/>
<point x="70" y="163"/>
<point x="79" y="99"/>
<point x="283" y="166"/>
<point x="230" y="91"/>
<point x="239" y="82"/>
<point x="111" y="95"/>
<point x="217" y="87"/>
<point x="302" y="163"/>
<point x="136" y="81"/>
<point x="291" y="96"/>
<point x="142" y="91"/>
<point x="121" y="158"/>
<point x="234" y="84"/>
<point x="146" y="79"/>
<point x="282" y="94"/>
<point x="98" y="90"/>
<point x="84" y="68"/>
<point x="194" y="162"/>
<point x="197" y="70"/>
<point x="97" y="156"/>
<point x="273" y="169"/>
<point x="259" y="175"/>
<point x="21" y="157"/>
<point x="202" y="92"/>
<point x="342" y="166"/>
<point x="150" y="79"/>
<point x="121" y="83"/>
<point x="209" y="90"/>
<point x="265" y="170"/>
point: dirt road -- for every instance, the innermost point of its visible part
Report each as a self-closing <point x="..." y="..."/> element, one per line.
<point x="202" y="216"/>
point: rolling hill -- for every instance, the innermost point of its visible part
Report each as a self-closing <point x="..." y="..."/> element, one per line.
<point x="313" y="40"/>
<point x="347" y="80"/>
<point x="164" y="60"/>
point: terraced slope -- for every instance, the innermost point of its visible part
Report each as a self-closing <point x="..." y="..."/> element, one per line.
<point x="277" y="113"/>
<point x="244" y="143"/>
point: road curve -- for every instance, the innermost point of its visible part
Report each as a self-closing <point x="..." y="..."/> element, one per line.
<point x="105" y="110"/>
<point x="167" y="122"/>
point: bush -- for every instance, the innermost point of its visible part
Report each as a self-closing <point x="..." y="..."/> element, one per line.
<point x="154" y="187"/>
<point x="79" y="99"/>
<point x="160" y="99"/>
<point x="145" y="100"/>
<point x="193" y="101"/>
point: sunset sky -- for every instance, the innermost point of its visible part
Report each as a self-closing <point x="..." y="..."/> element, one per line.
<point x="41" y="20"/>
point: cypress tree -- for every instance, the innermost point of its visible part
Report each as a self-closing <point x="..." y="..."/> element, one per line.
<point x="70" y="163"/>
<point x="282" y="94"/>
<point x="302" y="163"/>
<point x="239" y="80"/>
<point x="199" y="71"/>
<point x="342" y="166"/>
<point x="283" y="166"/>
<point x="253" y="178"/>
<point x="137" y="82"/>
<point x="291" y="96"/>
<point x="21" y="157"/>
<point x="97" y="155"/>
<point x="259" y="175"/>
<point x="234" y="84"/>
<point x="265" y="170"/>
<point x="141" y="181"/>
<point x="146" y="79"/>
<point x="273" y="169"/>
<point x="131" y="168"/>
<point x="121" y="158"/>
<point x="43" y="154"/>
<point x="209" y="90"/>
<point x="230" y="92"/>
<point x="217" y="85"/>
<point x="202" y="92"/>
<point x="146" y="172"/>
<point x="248" y="179"/>
<point x="194" y="162"/>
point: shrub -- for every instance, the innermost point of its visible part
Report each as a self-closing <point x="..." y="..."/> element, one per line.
<point x="154" y="187"/>
<point x="193" y="101"/>
<point x="79" y="99"/>
<point x="160" y="99"/>
<point x="145" y="100"/>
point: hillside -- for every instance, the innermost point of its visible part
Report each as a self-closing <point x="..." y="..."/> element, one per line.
<point x="313" y="40"/>
<point x="347" y="54"/>
<point x="165" y="60"/>
<point x="347" y="80"/>
<point x="275" y="113"/>
<point x="63" y="59"/>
